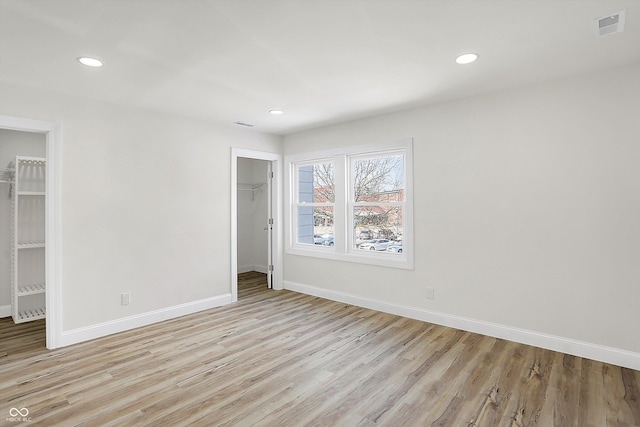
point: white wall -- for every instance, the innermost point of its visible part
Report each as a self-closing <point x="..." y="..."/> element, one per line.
<point x="12" y="144"/>
<point x="252" y="216"/>
<point x="145" y="204"/>
<point x="527" y="210"/>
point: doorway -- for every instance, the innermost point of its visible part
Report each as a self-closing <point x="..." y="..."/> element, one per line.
<point x="254" y="213"/>
<point x="256" y="232"/>
<point x="48" y="133"/>
<point x="22" y="210"/>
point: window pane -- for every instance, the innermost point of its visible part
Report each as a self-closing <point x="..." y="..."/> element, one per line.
<point x="316" y="183"/>
<point x="379" y="179"/>
<point x="377" y="222"/>
<point x="315" y="225"/>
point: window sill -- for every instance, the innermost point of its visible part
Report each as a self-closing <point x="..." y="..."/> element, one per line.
<point x="382" y="259"/>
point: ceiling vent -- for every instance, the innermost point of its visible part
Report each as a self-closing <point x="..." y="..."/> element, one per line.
<point x="610" y="24"/>
<point x="239" y="123"/>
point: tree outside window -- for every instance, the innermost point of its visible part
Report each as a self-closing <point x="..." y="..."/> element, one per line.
<point x="378" y="195"/>
<point x="341" y="198"/>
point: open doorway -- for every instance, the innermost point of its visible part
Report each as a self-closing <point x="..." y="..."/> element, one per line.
<point x="256" y="237"/>
<point x="35" y="248"/>
<point x="254" y="231"/>
<point x="22" y="239"/>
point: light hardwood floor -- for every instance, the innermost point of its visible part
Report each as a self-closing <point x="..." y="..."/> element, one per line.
<point x="279" y="358"/>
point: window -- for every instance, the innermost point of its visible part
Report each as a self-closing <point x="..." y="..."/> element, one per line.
<point x="377" y="201"/>
<point x="353" y="204"/>
<point x="314" y="203"/>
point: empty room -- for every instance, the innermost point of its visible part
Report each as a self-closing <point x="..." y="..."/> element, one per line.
<point x="320" y="213"/>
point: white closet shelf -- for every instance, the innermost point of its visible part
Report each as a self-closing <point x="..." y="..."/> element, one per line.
<point x="31" y="314"/>
<point x="30" y="245"/>
<point x="31" y="193"/>
<point x="40" y="161"/>
<point x="28" y="299"/>
<point x="36" y="288"/>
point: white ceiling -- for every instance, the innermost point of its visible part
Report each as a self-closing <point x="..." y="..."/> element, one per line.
<point x="321" y="61"/>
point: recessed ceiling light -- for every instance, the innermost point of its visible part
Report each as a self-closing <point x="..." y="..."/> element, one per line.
<point x="90" y="62"/>
<point x="276" y="112"/>
<point x="467" y="58"/>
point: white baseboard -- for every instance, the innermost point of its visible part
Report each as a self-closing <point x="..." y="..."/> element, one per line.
<point x="5" y="311"/>
<point x="86" y="333"/>
<point x="248" y="268"/>
<point x="260" y="268"/>
<point x="597" y="352"/>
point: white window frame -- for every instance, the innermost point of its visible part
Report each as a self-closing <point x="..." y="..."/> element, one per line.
<point x="297" y="204"/>
<point x="344" y="248"/>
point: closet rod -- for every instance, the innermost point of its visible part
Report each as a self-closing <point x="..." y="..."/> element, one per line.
<point x="251" y="187"/>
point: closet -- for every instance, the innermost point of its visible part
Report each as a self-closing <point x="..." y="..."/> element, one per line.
<point x="253" y="215"/>
<point x="22" y="235"/>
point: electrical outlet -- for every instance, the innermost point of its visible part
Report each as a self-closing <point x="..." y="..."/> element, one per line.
<point x="430" y="293"/>
<point x="125" y="298"/>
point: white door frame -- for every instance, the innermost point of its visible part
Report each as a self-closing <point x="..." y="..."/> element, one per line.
<point x="276" y="203"/>
<point x="52" y="219"/>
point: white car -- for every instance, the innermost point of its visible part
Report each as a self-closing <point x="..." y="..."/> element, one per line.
<point x="375" y="244"/>
<point x="395" y="248"/>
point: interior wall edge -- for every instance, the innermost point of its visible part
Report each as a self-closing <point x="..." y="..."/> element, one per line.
<point x="615" y="356"/>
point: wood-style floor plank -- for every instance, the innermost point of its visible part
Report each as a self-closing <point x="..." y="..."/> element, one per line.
<point x="279" y="358"/>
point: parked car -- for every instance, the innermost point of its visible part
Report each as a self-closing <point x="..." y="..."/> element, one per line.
<point x="376" y="244"/>
<point x="328" y="241"/>
<point x="325" y="239"/>
<point x="395" y="248"/>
